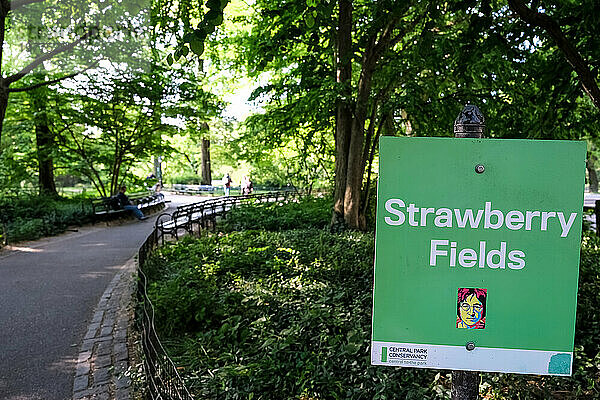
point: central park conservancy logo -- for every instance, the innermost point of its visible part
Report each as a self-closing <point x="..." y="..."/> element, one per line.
<point x="404" y="355"/>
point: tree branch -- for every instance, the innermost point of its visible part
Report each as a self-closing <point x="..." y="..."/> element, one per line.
<point x="189" y="160"/>
<point x="44" y="57"/>
<point x="574" y="58"/>
<point x="367" y="188"/>
<point x="50" y="82"/>
<point x="80" y="149"/>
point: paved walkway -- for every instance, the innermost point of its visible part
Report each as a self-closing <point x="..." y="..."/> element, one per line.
<point x="62" y="301"/>
<point x="102" y="365"/>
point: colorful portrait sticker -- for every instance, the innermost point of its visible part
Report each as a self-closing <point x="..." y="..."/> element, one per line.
<point x="470" y="308"/>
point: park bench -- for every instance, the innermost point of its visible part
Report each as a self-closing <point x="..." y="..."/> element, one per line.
<point x="193" y="189"/>
<point x="105" y="208"/>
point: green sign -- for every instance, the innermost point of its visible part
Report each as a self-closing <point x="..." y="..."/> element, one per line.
<point x="477" y="254"/>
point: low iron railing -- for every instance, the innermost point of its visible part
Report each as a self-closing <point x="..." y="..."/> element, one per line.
<point x="195" y="217"/>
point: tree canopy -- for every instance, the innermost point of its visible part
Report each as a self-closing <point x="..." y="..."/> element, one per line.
<point x="326" y="78"/>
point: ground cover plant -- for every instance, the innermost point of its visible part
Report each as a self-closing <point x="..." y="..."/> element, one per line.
<point x="32" y="217"/>
<point x="275" y="315"/>
<point x="286" y="314"/>
<point x="308" y="212"/>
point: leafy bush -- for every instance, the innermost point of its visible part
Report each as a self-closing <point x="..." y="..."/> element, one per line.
<point x="276" y="315"/>
<point x="32" y="217"/>
<point x="308" y="212"/>
<point x="184" y="179"/>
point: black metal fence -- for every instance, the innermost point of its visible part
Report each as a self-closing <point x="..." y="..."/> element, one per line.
<point x="162" y="380"/>
<point x="195" y="217"/>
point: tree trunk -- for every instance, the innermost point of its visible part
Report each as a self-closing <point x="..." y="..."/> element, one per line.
<point x="356" y="162"/>
<point x="343" y="117"/>
<point x="44" y="142"/>
<point x="205" y="160"/>
<point x="3" y="105"/>
<point x="158" y="169"/>
<point x="116" y="171"/>
<point x="592" y="176"/>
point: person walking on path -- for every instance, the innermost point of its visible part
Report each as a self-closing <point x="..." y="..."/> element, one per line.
<point x="246" y="185"/>
<point x="249" y="186"/>
<point x="226" y="184"/>
<point x="126" y="204"/>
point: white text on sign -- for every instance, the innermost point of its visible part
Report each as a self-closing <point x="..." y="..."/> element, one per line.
<point x="450" y="253"/>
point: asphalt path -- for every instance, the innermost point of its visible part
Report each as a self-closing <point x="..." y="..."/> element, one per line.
<point x="48" y="291"/>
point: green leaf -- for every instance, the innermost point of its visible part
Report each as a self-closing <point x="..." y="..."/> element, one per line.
<point x="199" y="34"/>
<point x="170" y="59"/>
<point x="213" y="4"/>
<point x="133" y="7"/>
<point x="197" y="47"/>
<point x="214" y="18"/>
<point x="212" y="14"/>
<point x="185" y="51"/>
<point x="188" y="37"/>
<point x="218" y="21"/>
<point x="309" y="20"/>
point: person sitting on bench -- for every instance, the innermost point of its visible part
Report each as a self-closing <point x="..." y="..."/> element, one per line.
<point x="126" y="204"/>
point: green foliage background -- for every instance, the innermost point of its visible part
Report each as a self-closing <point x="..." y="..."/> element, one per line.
<point x="32" y="217"/>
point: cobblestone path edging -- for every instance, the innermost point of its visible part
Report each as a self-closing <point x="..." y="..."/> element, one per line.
<point x="103" y="356"/>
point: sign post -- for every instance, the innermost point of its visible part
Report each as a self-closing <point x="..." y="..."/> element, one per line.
<point x="470" y="123"/>
<point x="477" y="254"/>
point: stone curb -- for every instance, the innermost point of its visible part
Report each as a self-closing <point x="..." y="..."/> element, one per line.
<point x="104" y="356"/>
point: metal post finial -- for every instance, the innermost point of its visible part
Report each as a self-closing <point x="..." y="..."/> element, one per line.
<point x="470" y="123"/>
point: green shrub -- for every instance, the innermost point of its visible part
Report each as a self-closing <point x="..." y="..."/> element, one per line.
<point x="184" y="179"/>
<point x="32" y="217"/>
<point x="276" y="315"/>
<point x="26" y="229"/>
<point x="267" y="311"/>
<point x="308" y="212"/>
